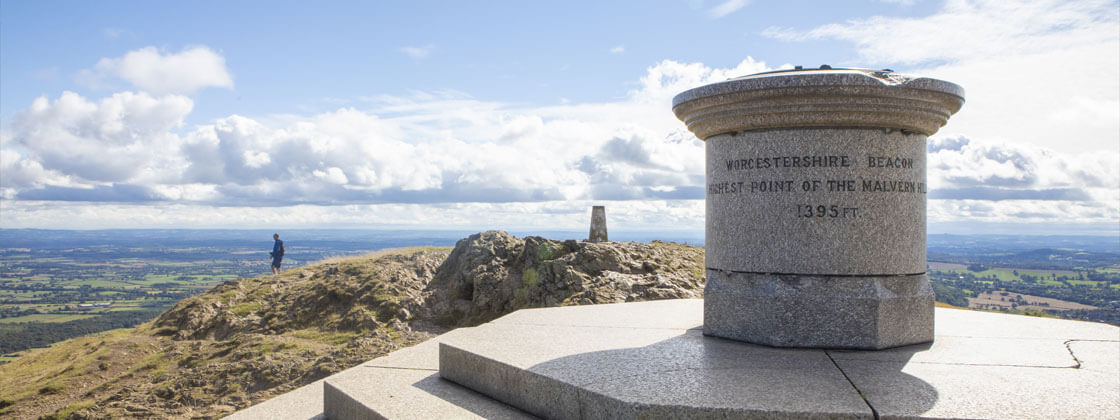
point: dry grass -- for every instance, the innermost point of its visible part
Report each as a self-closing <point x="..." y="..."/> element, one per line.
<point x="377" y="254"/>
<point x="997" y="299"/>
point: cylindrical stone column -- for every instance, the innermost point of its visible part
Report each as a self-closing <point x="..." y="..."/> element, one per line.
<point x="816" y="205"/>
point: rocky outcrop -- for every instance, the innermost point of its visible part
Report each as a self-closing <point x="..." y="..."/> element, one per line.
<point x="486" y="275"/>
<point x="493" y="273"/>
<point x="248" y="340"/>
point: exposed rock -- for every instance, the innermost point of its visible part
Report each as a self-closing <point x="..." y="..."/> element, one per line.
<point x="248" y="340"/>
<point x="493" y="273"/>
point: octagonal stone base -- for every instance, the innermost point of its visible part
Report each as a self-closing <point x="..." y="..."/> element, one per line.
<point x="852" y="312"/>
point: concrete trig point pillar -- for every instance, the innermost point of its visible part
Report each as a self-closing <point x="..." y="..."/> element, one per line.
<point x="598" y="224"/>
<point x="816" y="205"/>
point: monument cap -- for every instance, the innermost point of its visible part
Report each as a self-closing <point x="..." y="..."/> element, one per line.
<point x="824" y="97"/>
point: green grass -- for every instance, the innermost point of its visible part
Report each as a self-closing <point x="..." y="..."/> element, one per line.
<point x="66" y="411"/>
<point x="1008" y="275"/>
<point x="45" y="318"/>
<point x="97" y="283"/>
<point x="1083" y="282"/>
<point x="332" y="338"/>
<point x="246" y="308"/>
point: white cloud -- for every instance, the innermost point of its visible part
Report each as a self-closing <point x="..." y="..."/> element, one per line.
<point x="1038" y="139"/>
<point x="1045" y="73"/>
<point x="623" y="215"/>
<point x="418" y="52"/>
<point x="429" y="147"/>
<point x="121" y="138"/>
<point x="618" y="49"/>
<point x="668" y="78"/>
<point x="447" y="159"/>
<point x="726" y="8"/>
<point x="151" y="70"/>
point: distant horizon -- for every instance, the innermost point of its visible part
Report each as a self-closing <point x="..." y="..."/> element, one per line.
<point x="1010" y="230"/>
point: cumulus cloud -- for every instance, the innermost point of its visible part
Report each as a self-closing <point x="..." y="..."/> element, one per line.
<point x="1038" y="72"/>
<point x="426" y="147"/>
<point x="973" y="180"/>
<point x="159" y="73"/>
<point x="116" y="139"/>
<point x="444" y="158"/>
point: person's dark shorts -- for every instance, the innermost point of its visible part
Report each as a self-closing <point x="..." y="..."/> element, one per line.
<point x="276" y="261"/>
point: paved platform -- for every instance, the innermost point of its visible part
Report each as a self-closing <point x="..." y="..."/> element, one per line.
<point x="404" y="384"/>
<point x="650" y="360"/>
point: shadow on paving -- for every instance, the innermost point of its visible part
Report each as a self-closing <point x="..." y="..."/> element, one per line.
<point x="686" y="375"/>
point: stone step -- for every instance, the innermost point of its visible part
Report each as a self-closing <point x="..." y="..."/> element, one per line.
<point x="406" y="385"/>
<point x="650" y="360"/>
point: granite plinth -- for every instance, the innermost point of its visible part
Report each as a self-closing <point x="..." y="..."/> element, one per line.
<point x="819" y="98"/>
<point x="836" y="201"/>
<point x="817" y="179"/>
<point x="620" y="361"/>
<point x="819" y="311"/>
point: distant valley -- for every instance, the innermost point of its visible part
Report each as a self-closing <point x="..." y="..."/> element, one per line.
<point x="58" y="284"/>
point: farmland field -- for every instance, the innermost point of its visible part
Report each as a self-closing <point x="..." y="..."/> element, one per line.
<point x="998" y="300"/>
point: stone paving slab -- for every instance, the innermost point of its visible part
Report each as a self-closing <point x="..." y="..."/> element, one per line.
<point x="660" y="314"/>
<point x="966" y="323"/>
<point x="982" y="365"/>
<point x="609" y="362"/>
<point x="303" y="403"/>
<point x="403" y="384"/>
<point x="1097" y="356"/>
<point x="392" y="393"/>
<point x="973" y="351"/>
<point x="921" y="390"/>
<point x="607" y="371"/>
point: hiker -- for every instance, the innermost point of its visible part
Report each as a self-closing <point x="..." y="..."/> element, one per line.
<point x="277" y="253"/>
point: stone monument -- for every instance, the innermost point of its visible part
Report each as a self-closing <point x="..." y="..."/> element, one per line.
<point x="816" y="205"/>
<point x="598" y="224"/>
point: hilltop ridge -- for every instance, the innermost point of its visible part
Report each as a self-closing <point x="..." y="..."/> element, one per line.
<point x="249" y="339"/>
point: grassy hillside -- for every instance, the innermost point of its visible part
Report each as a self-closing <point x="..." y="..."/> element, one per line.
<point x="248" y="340"/>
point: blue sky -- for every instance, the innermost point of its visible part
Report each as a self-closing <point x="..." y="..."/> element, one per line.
<point x="300" y="57"/>
<point x="516" y="114"/>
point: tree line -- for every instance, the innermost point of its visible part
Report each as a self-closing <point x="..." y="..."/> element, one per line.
<point x="26" y="335"/>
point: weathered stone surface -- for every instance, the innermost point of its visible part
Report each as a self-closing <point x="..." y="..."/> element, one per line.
<point x="492" y="273"/>
<point x="408" y="394"/>
<point x="819" y="311"/>
<point x="566" y="371"/>
<point x="303" y="403"/>
<point x="598" y="224"/>
<point x="819" y="98"/>
<point x="766" y="215"/>
<point x="616" y="364"/>
<point x="617" y="357"/>
<point x="817" y="183"/>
